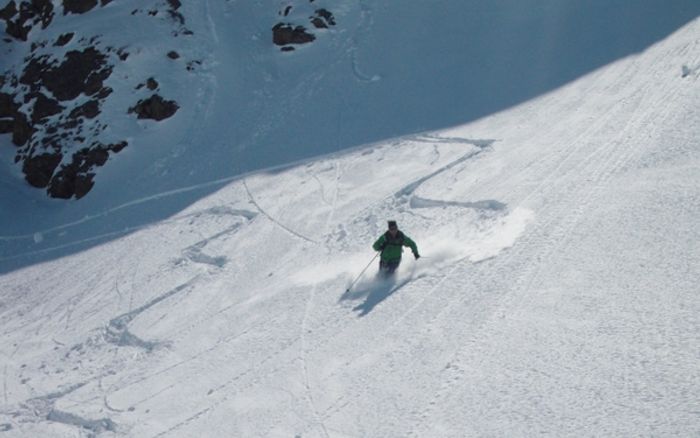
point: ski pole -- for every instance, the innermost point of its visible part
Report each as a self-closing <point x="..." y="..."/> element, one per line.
<point x="363" y="271"/>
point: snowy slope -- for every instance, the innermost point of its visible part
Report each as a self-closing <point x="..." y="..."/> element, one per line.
<point x="384" y="70"/>
<point x="557" y="294"/>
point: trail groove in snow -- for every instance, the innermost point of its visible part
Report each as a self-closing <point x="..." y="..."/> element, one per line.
<point x="308" y="308"/>
<point x="553" y="230"/>
<point x="264" y="213"/>
<point x="556" y="294"/>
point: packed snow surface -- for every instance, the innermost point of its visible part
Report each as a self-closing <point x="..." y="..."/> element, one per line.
<point x="557" y="293"/>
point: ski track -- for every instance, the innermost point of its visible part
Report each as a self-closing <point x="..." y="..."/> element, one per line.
<point x="273" y="220"/>
<point x="299" y="342"/>
<point x="547" y="238"/>
<point x="338" y="326"/>
<point x="363" y="28"/>
<point x="599" y="165"/>
<point x="225" y="396"/>
<point x="404" y="193"/>
<point x="4" y="385"/>
<point x="470" y="298"/>
<point x="113" y="234"/>
<point x="119" y="323"/>
<point x="307" y="310"/>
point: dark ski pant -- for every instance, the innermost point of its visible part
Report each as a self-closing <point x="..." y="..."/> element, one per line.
<point x="388" y="267"/>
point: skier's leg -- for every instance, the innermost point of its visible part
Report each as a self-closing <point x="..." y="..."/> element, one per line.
<point x="386" y="268"/>
<point x="392" y="266"/>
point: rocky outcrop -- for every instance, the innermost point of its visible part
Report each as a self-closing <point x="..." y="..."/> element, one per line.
<point x="14" y="121"/>
<point x="322" y="19"/>
<point x="284" y="34"/>
<point x="51" y="102"/>
<point x="50" y="88"/>
<point x="89" y="110"/>
<point x="44" y="107"/>
<point x="76" y="177"/>
<point x="291" y="33"/>
<point x="64" y="39"/>
<point x="78" y="6"/>
<point x="80" y="72"/>
<point x="38" y="170"/>
<point x="20" y="19"/>
<point x="155" y="107"/>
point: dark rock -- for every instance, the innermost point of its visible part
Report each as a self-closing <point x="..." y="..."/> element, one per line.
<point x="69" y="124"/>
<point x="39" y="169"/>
<point x="152" y="84"/>
<point x="95" y="82"/>
<point x="104" y="93"/>
<point x="155" y="107"/>
<point x="68" y="183"/>
<point x="37" y="10"/>
<point x="89" y="110"/>
<point x="176" y="16"/>
<point x="318" y="23"/>
<point x="30" y="14"/>
<point x="323" y="19"/>
<point x="287" y="49"/>
<point x="36" y="45"/>
<point x="17" y="30"/>
<point x="64" y="39"/>
<point x="192" y="65"/>
<point x="117" y="147"/>
<point x="284" y="34"/>
<point x="7" y="126"/>
<point x="105" y="2"/>
<point x="8" y="107"/>
<point x="81" y="71"/>
<point x="83" y="184"/>
<point x="173" y="54"/>
<point x="76" y="178"/>
<point x="22" y="131"/>
<point x="31" y="75"/>
<point x="9" y="11"/>
<point x="51" y="141"/>
<point x="44" y="107"/>
<point x="78" y="6"/>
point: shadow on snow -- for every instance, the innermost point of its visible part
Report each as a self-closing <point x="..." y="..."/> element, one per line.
<point x="374" y="291"/>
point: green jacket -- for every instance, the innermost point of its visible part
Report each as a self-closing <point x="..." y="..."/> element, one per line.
<point x="392" y="247"/>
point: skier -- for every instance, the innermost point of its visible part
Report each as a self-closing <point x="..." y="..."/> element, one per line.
<point x="391" y="245"/>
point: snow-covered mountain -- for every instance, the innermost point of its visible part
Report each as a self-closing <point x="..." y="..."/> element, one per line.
<point x="229" y="163"/>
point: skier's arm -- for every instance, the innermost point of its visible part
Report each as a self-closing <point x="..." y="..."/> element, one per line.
<point x="411" y="244"/>
<point x="379" y="244"/>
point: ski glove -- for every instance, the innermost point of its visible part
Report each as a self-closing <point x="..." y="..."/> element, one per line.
<point x="416" y="255"/>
